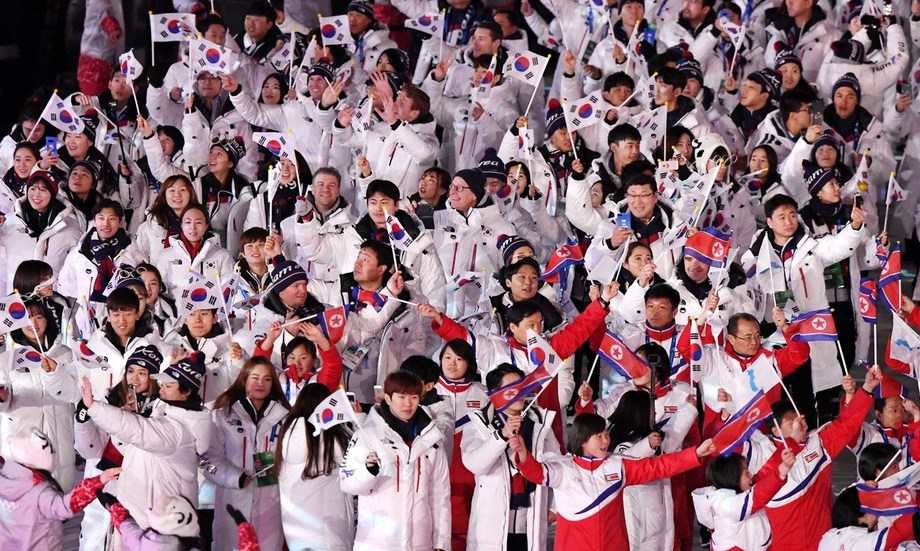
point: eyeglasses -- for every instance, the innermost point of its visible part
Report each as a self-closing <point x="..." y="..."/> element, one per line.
<point x="639" y="195"/>
<point x="458" y="187"/>
<point x="754" y="337"/>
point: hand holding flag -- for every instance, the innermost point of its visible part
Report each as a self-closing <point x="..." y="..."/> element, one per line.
<point x="334" y="410"/>
<point x="62" y="116"/>
<point x="620" y="358"/>
<point x="739" y="428"/>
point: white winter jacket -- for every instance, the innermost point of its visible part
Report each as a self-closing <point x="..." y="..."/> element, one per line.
<point x="51" y="246"/>
<point x="405" y="506"/>
<point x="175" y="263"/>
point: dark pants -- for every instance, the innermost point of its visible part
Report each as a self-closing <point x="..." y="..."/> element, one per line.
<point x="205" y="518"/>
<point x="517" y="542"/>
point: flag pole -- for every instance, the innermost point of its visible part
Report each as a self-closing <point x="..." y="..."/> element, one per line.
<point x="390" y="240"/>
<point x="153" y="62"/>
<point x="271" y="198"/>
<point x="780" y="431"/>
<point x="843" y="360"/>
<point x="32" y="131"/>
<point x="889" y="464"/>
<point x="622" y="259"/>
<point x="875" y="339"/>
<point x="888" y="204"/>
<point x="593" y="367"/>
<point x="134" y="95"/>
<point x="226" y="309"/>
<point x="291" y="66"/>
<point x="786" y="390"/>
<point x="535" y="398"/>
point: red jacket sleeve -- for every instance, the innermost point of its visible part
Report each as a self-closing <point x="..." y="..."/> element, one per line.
<point x="914" y="318"/>
<point x="265" y="354"/>
<point x="246" y="537"/>
<point x="640" y="471"/>
<point x="793" y="355"/>
<point x="767" y="483"/>
<point x="450" y="330"/>
<point x="840" y="432"/>
<point x="573" y="335"/>
<point x="900" y="531"/>
<point x="588" y="408"/>
<point x="532" y="470"/>
<point x="331" y="373"/>
<point x="84" y="493"/>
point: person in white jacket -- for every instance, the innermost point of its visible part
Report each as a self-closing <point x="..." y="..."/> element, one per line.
<point x="855" y="529"/>
<point x="39" y="390"/>
<point x="399" y="474"/>
<point x="315" y="512"/>
<point x="733" y="507"/>
<point x="240" y="461"/>
<point x="164" y="220"/>
<point x="806" y="28"/>
<point x="41" y="227"/>
<point x="194" y="249"/>
<point x="507" y="513"/>
<point x="161" y="460"/>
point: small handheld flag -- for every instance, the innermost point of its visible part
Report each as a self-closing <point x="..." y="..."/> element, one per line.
<point x="172" y="27"/>
<point x="868" y="300"/>
<point x="620" y="358"/>
<point x="709" y="246"/>
<point x="583" y="112"/>
<point x="742" y="424"/>
<point x="275" y="142"/>
<point x="200" y="293"/>
<point x="62" y="116"/>
<point x="432" y="25"/>
<point x="889" y="281"/>
<point x="332" y="322"/>
<point x="561" y="260"/>
<point x="84" y="355"/>
<point x="334" y="410"/>
<point x="399" y="236"/>
<point x="370" y="298"/>
<point x="527" y="67"/>
<point x="886" y="502"/>
<point x="817" y="325"/>
<point x="13" y="313"/>
<point x="26" y="358"/>
<point x="335" y="30"/>
<point x="206" y="56"/>
<point x="131" y="68"/>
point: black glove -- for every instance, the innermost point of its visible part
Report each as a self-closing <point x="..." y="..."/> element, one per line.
<point x="235" y="513"/>
<point x="106" y="499"/>
<point x="82" y="413"/>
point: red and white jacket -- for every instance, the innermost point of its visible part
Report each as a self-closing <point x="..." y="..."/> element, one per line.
<point x="736" y="519"/>
<point x="857" y="538"/>
<point x="801" y="511"/>
<point x="589" y="494"/>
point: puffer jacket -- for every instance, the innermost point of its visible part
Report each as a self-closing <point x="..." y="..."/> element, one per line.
<point x="175" y="263"/>
<point x="405" y="504"/>
<point x="51" y="246"/>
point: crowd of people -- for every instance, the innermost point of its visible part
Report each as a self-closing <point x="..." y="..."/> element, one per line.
<point x="561" y="274"/>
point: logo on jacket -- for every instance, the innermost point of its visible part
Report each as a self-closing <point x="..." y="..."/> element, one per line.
<point x="811" y="457"/>
<point x="611" y="477"/>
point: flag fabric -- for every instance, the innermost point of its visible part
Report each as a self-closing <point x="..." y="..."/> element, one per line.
<point x="769" y="269"/>
<point x="334" y="410"/>
<point x="13" y="313"/>
<point x="814" y="326"/>
<point x="636" y="62"/>
<point x="462" y="279"/>
<point x="200" y="293"/>
<point x="481" y="93"/>
<point x="868" y="300"/>
<point x="620" y="358"/>
<point x="124" y="271"/>
<point x="62" y="116"/>
<point x="742" y="424"/>
<point x="889" y="281"/>
<point x="275" y="142"/>
<point x="524" y="144"/>
<point x="529" y="385"/>
<point x="709" y="246"/>
<point x="859" y="183"/>
<point x="247" y="300"/>
<point x="652" y="126"/>
<point x="432" y="25"/>
<point x="561" y="260"/>
<point x="541" y="354"/>
<point x="735" y="32"/>
<point x="335" y="30"/>
<point x="332" y="322"/>
<point x="26" y="358"/>
<point x="696" y="353"/>
<point x="85" y="356"/>
<point x="206" y="56"/>
<point x="370" y="298"/>
<point x="310" y="55"/>
<point x="131" y="68"/>
<point x="895" y="191"/>
<point x="362" y="120"/>
<point x="881" y="252"/>
<point x="905" y="343"/>
<point x="583" y="112"/>
<point x="399" y="236"/>
<point x="527" y="67"/>
<point x="886" y="502"/>
<point x="172" y="27"/>
<point x="282" y="58"/>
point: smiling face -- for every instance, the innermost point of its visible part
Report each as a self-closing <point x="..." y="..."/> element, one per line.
<point x="460" y="196"/>
<point x="253" y="252"/>
<point x="123" y="322"/>
<point x="259" y="382"/>
<point x="218" y="160"/>
<point x="77" y="145"/>
<point x="38" y="196"/>
<point x="153" y="286"/>
<point x="295" y="295"/>
<point x="107" y="223"/>
<point x="23" y="161"/>
<point x="826" y="156"/>
<point x="378" y="206"/>
<point x="139" y="377"/>
<point x="271" y="91"/>
<point x="194" y="225"/>
<point x="746" y="340"/>
<point x="325" y="190"/>
<point x="483" y="43"/>
<point x="596" y="445"/>
<point x="80" y="180"/>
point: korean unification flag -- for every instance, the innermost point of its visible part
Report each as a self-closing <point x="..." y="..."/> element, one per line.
<point x="584" y="112"/>
<point x="334" y="410"/>
<point x="214" y="59"/>
<point x="13" y="313"/>
<point x="131" y="68"/>
<point x="527" y="67"/>
<point x="172" y="27"/>
<point x="62" y="116"/>
<point x="335" y="30"/>
<point x="275" y="142"/>
<point x="905" y="343"/>
<point x="200" y="293"/>
<point x="432" y="25"/>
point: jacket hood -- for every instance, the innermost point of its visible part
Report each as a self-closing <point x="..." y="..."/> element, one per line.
<point x="15" y="481"/>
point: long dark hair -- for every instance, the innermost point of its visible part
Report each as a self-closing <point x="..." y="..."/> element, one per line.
<point x="237" y="390"/>
<point x="51" y="328"/>
<point x="159" y="210"/>
<point x="463" y="349"/>
<point x="307" y="401"/>
<point x="630" y="421"/>
<point x="118" y="395"/>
